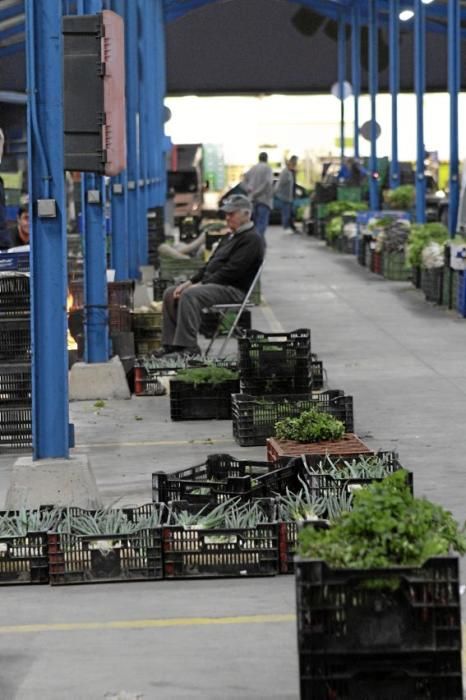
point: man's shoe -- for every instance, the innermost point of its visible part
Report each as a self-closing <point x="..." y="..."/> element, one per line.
<point x="161" y="352"/>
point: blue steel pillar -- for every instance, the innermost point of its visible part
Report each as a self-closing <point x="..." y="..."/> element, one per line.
<point x="155" y="57"/>
<point x="95" y="256"/>
<point x="144" y="87"/>
<point x="394" y="39"/>
<point x="119" y="204"/>
<point x="47" y="211"/>
<point x="373" y="86"/>
<point x="356" y="71"/>
<point x="132" y="135"/>
<point x="159" y="85"/>
<point x="419" y="85"/>
<point x="341" y="80"/>
<point x="454" y="48"/>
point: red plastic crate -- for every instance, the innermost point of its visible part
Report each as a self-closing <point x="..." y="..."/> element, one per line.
<point x="348" y="446"/>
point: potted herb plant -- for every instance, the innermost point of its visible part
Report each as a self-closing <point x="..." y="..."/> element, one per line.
<point x="378" y="599"/>
<point x="312" y="432"/>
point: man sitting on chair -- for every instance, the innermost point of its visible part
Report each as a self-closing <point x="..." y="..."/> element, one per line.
<point x="224" y="280"/>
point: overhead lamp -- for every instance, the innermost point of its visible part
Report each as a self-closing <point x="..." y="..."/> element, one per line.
<point x="427" y="2"/>
<point x="406" y="15"/>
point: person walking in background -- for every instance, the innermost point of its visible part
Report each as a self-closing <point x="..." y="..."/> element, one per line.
<point x="258" y="183"/>
<point x="284" y="190"/>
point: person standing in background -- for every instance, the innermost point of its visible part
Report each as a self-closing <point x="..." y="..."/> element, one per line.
<point x="258" y="183"/>
<point x="284" y="190"/>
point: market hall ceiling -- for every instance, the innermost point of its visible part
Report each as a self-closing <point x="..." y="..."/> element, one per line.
<point x="258" y="46"/>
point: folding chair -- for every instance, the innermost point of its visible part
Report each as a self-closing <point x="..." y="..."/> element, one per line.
<point x="224" y="309"/>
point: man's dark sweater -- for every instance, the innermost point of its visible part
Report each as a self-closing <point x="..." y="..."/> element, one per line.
<point x="235" y="261"/>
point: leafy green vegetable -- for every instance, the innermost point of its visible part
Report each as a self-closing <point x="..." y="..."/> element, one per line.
<point x="339" y="208"/>
<point x="420" y="236"/>
<point x="402" y="197"/>
<point x="333" y="228"/>
<point x="206" y="375"/>
<point x="310" y="426"/>
<point x="386" y="527"/>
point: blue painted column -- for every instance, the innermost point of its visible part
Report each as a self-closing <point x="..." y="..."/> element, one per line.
<point x="132" y="136"/>
<point x="419" y="86"/>
<point x="119" y="204"/>
<point x="356" y="71"/>
<point x="394" y="79"/>
<point x="47" y="211"/>
<point x="373" y="87"/>
<point x="95" y="257"/>
<point x="144" y="114"/>
<point x="454" y="49"/>
<point x="341" y="80"/>
<point x="160" y="85"/>
<point x="155" y="57"/>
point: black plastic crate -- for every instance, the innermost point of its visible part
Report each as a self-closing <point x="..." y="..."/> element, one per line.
<point x="119" y="293"/>
<point x="216" y="480"/>
<point x="432" y="284"/>
<point x="341" y="612"/>
<point x="220" y="553"/>
<point x="268" y="355"/>
<point x="15" y="384"/>
<point x="15" y="339"/>
<point x="254" y="417"/>
<point x="14" y="295"/>
<point x="201" y="401"/>
<point x="24" y="559"/>
<point x="275" y="363"/>
<point x="15" y="428"/>
<point x="428" y="676"/>
<point x="105" y="558"/>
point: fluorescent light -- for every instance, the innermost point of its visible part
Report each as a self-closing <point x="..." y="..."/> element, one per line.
<point x="427" y="2"/>
<point x="406" y="15"/>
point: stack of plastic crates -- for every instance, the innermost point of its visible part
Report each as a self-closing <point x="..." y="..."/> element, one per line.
<point x="432" y="284"/>
<point x="277" y="373"/>
<point x="15" y="363"/>
<point x="120" y="302"/>
<point x="394" y="266"/>
<point x="379" y="633"/>
<point x="147" y="329"/>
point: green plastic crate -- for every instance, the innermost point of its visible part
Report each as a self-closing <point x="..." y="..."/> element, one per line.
<point x="394" y="267"/>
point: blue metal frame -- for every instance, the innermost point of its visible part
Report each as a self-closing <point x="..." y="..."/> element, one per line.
<point x="394" y="80"/>
<point x="119" y="202"/>
<point x="144" y="81"/>
<point x="95" y="256"/>
<point x="160" y="184"/>
<point x="454" y="49"/>
<point x="356" y="72"/>
<point x="341" y="80"/>
<point x="50" y="429"/>
<point x="373" y="86"/>
<point x="419" y="85"/>
<point x="132" y="136"/>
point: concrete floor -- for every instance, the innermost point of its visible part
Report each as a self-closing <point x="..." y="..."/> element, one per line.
<point x="402" y="360"/>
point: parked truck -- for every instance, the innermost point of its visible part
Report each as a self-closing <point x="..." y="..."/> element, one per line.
<point x="185" y="181"/>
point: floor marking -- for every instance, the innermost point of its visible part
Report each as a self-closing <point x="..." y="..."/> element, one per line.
<point x="155" y="443"/>
<point x="272" y="320"/>
<point x="146" y="624"/>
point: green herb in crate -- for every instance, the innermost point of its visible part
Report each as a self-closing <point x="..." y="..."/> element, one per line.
<point x="386" y="527"/>
<point x="310" y="426"/>
<point x="373" y="467"/>
<point x="206" y="375"/>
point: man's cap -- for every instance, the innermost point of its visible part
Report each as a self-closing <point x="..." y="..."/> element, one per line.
<point x="237" y="202"/>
